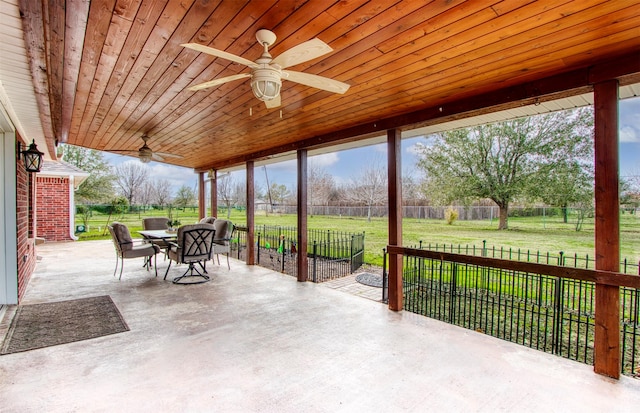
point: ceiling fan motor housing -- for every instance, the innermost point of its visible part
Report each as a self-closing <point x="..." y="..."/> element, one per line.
<point x="266" y="82"/>
<point x="144" y="154"/>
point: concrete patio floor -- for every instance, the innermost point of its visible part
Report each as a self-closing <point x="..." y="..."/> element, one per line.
<point x="256" y="340"/>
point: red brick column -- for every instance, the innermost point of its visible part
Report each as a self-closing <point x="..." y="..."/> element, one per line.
<point x="52" y="212"/>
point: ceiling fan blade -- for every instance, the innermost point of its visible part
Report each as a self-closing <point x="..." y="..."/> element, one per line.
<point x="130" y="151"/>
<point x="302" y="53"/>
<point x="273" y="103"/>
<point x="319" y="82"/>
<point x="168" y="155"/>
<point x="216" y="82"/>
<point x="219" y="53"/>
<point x="157" y="157"/>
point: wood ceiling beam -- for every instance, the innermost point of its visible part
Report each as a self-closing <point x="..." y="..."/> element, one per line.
<point x="566" y="84"/>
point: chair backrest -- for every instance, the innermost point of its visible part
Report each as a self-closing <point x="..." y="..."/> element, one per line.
<point x="121" y="236"/>
<point x="207" y="220"/>
<point x="224" y="231"/>
<point x="155" y="223"/>
<point x="195" y="242"/>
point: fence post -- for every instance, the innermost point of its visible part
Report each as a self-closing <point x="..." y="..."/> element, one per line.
<point x="258" y="250"/>
<point x="452" y="297"/>
<point x="315" y="262"/>
<point x="557" y="310"/>
<point x="385" y="277"/>
<point x="351" y="253"/>
<point x="238" y="242"/>
<point x="284" y="249"/>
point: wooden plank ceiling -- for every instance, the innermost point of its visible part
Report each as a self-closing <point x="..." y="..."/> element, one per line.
<point x="115" y="70"/>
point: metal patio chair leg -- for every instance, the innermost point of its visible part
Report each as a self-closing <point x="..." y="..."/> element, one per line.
<point x="166" y="272"/>
<point x="155" y="263"/>
<point x="116" y="269"/>
<point x="189" y="273"/>
<point x="203" y="266"/>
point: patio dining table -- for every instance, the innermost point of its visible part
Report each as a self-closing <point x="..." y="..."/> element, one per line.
<point x="160" y="237"/>
<point x="158" y="234"/>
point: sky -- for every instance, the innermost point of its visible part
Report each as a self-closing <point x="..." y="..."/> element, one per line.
<point x="346" y="165"/>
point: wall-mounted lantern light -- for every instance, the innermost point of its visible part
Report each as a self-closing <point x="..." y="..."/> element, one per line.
<point x="32" y="158"/>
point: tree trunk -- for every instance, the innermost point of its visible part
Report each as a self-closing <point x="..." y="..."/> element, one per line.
<point x="565" y="213"/>
<point x="504" y="216"/>
<point x="369" y="213"/>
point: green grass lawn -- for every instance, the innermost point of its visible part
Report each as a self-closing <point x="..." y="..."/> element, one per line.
<point x="543" y="234"/>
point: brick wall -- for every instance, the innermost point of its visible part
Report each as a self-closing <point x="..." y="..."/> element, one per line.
<point x="52" y="210"/>
<point x="26" y="254"/>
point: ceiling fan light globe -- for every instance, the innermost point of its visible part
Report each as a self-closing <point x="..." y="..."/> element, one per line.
<point x="266" y="90"/>
<point x="145" y="158"/>
<point x="266" y="83"/>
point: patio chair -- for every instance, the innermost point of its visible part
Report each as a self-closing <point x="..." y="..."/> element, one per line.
<point x="125" y="248"/>
<point x="156" y="223"/>
<point x="193" y="246"/>
<point x="222" y="241"/>
<point x="207" y="220"/>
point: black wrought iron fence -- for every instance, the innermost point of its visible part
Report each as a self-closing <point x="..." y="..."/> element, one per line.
<point x="331" y="254"/>
<point x="518" y="254"/>
<point x="548" y="313"/>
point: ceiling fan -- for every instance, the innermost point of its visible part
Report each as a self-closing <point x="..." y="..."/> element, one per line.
<point x="267" y="73"/>
<point x="145" y="153"/>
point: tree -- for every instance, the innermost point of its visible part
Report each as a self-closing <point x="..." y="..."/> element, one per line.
<point x="503" y="161"/>
<point x="117" y="206"/>
<point x="279" y="193"/>
<point x="411" y="188"/>
<point x="320" y="185"/>
<point x="161" y="192"/>
<point x="570" y="184"/>
<point x="630" y="191"/>
<point x="227" y="192"/>
<point x="145" y="194"/>
<point x="184" y="197"/>
<point x="98" y="187"/>
<point x="239" y="193"/>
<point x="370" y="187"/>
<point x="130" y="178"/>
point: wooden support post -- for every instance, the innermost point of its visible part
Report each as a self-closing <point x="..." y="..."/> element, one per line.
<point x="395" y="217"/>
<point x="607" y="228"/>
<point x="303" y="266"/>
<point x="202" y="205"/>
<point x="213" y="180"/>
<point x="251" y="243"/>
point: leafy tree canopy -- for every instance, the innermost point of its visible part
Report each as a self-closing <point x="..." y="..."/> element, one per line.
<point x="184" y="197"/>
<point x="98" y="187"/>
<point x="506" y="161"/>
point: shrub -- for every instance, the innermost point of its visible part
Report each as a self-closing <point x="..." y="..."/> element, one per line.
<point x="451" y="214"/>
